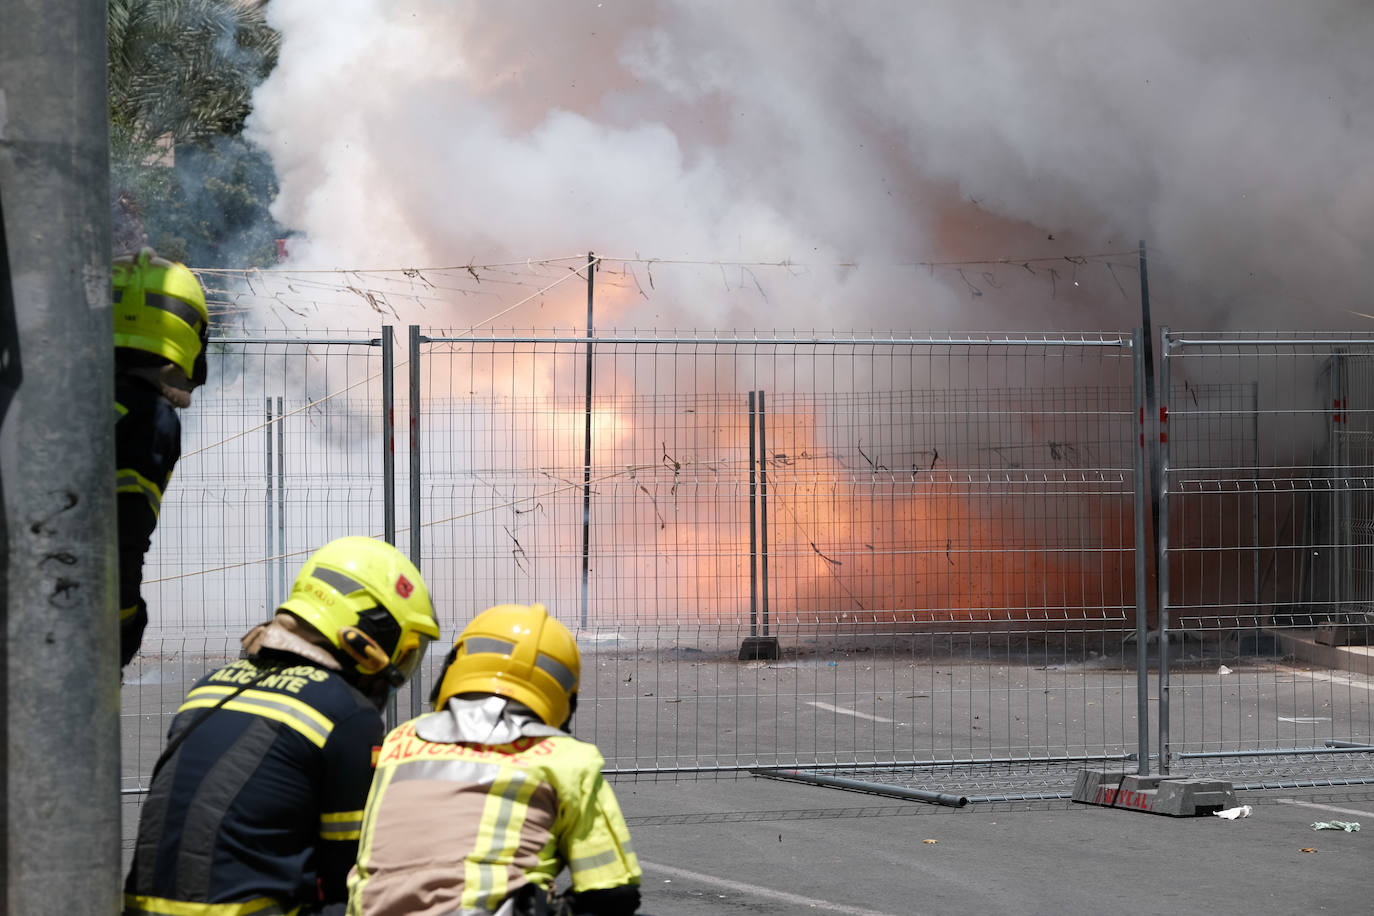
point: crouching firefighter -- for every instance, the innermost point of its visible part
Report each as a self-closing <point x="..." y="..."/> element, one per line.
<point x="256" y="802"/>
<point x="160" y="327"/>
<point x="477" y="807"/>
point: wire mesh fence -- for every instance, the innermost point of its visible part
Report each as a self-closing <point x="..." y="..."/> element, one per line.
<point x="869" y="554"/>
<point x="769" y="548"/>
<point x="281" y="451"/>
<point x="1265" y="505"/>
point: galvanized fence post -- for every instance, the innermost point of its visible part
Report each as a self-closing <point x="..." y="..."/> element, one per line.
<point x="753" y="517"/>
<point x="268" y="506"/>
<point x="388" y="342"/>
<point x="278" y="556"/>
<point x="1162" y="539"/>
<point x="587" y="447"/>
<point x="388" y="435"/>
<point x="1142" y="566"/>
<point x="413" y="364"/>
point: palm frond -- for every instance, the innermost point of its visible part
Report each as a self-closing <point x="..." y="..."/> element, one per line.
<point x="186" y="67"/>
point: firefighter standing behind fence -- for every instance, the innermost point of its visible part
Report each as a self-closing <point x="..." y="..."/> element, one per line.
<point x="477" y="807"/>
<point x="160" y="328"/>
<point x="256" y="801"/>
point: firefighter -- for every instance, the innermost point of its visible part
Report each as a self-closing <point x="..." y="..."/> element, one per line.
<point x="160" y="327"/>
<point x="255" y="804"/>
<point x="477" y="807"/>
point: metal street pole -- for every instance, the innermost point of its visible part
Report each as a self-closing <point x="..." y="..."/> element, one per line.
<point x="413" y="364"/>
<point x="587" y="449"/>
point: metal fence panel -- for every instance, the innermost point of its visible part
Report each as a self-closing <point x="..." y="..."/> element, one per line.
<point x="846" y="552"/>
<point x="938" y="534"/>
<point x="1265" y="577"/>
<point x="281" y="451"/>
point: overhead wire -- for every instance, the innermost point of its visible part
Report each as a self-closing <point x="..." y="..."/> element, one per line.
<point x="315" y="402"/>
<point x="307" y="279"/>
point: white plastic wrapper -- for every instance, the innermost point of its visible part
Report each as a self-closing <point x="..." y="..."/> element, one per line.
<point x="1232" y="813"/>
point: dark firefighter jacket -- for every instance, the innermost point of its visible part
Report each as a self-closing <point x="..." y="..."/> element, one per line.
<point x="147" y="447"/>
<point x="258" y="809"/>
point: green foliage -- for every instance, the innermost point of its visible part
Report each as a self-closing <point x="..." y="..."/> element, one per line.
<point x="209" y="210"/>
<point x="186" y="69"/>
<point x="181" y="76"/>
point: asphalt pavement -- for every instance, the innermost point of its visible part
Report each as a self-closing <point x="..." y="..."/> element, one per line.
<point x="758" y="846"/>
<point x="735" y="843"/>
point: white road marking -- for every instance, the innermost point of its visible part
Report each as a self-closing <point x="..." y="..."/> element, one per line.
<point x="847" y="712"/>
<point x="1343" y="680"/>
<point x="1304" y="720"/>
<point x="1303" y="804"/>
<point x="755" y="890"/>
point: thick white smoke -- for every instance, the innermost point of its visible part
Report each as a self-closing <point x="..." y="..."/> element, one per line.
<point x="1232" y="136"/>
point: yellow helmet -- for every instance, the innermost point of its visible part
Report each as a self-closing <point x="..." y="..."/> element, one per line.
<point x="370" y="602"/>
<point x="160" y="308"/>
<point x="520" y="652"/>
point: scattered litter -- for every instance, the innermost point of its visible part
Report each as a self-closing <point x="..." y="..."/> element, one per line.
<point x="1347" y="826"/>
<point x="1223" y="670"/>
<point x="1308" y="849"/>
<point x="930" y="842"/>
<point x="1232" y="813"/>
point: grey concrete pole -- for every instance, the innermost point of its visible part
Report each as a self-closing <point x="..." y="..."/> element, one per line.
<point x="60" y="710"/>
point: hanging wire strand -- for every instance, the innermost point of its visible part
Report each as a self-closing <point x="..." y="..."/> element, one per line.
<point x="376" y="375"/>
<point x="388" y="290"/>
<point x="624" y="472"/>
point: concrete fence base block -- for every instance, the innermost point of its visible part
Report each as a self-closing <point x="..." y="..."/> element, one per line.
<point x="1153" y="794"/>
<point x="759" y="647"/>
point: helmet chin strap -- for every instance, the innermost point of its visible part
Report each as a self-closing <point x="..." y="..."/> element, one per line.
<point x="370" y="657"/>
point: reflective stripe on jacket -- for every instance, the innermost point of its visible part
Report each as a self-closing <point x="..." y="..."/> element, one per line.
<point x="258" y="810"/>
<point x="156" y="906"/>
<point x="456" y="828"/>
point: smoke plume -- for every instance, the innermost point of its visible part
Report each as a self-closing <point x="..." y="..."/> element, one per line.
<point x="848" y="142"/>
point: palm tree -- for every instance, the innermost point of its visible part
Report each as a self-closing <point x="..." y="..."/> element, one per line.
<point x="185" y="69"/>
<point x="181" y="78"/>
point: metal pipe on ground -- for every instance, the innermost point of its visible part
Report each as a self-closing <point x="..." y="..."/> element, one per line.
<point x="872" y="788"/>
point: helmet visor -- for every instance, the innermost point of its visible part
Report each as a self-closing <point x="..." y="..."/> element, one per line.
<point x="408" y="662"/>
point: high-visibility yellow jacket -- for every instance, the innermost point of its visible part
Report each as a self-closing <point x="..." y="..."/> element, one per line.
<point x="456" y="827"/>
